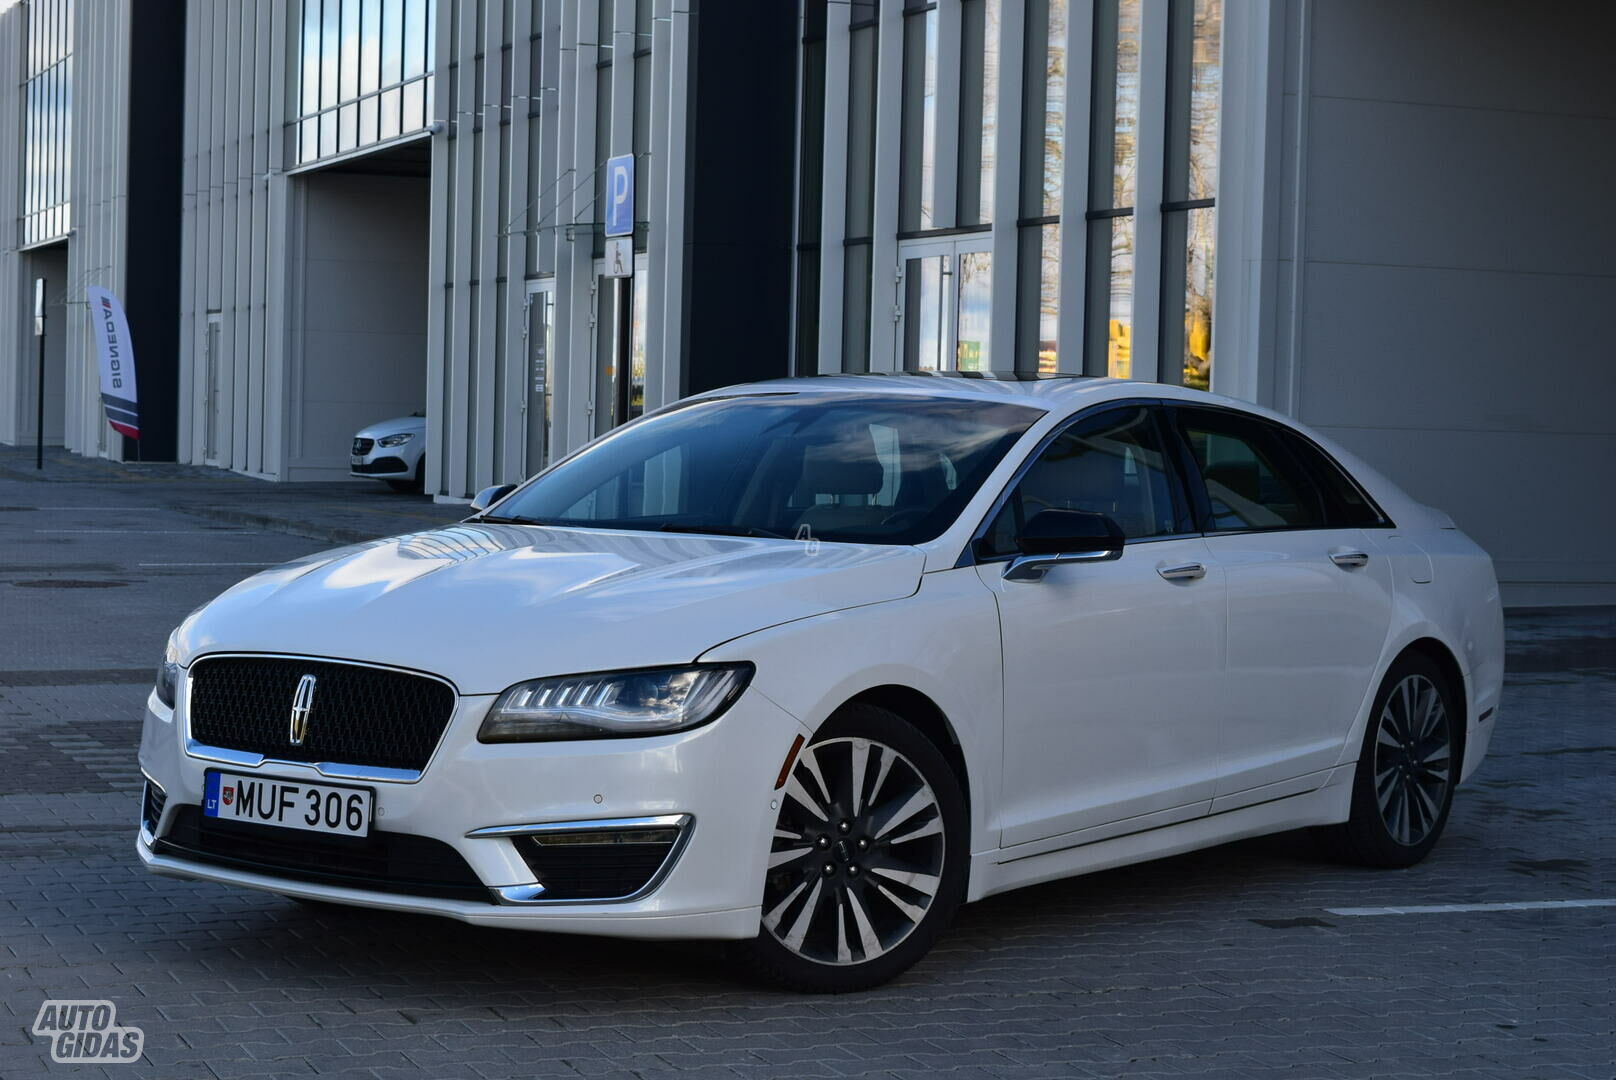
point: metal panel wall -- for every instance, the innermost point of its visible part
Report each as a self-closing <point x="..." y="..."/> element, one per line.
<point x="97" y="249"/>
<point x="515" y="172"/>
<point x="15" y="297"/>
<point x="235" y="225"/>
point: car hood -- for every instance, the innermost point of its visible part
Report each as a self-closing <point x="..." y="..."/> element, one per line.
<point x="486" y="606"/>
<point x="396" y="426"/>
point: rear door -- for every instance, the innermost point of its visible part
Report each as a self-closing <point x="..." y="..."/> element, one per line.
<point x="1309" y="600"/>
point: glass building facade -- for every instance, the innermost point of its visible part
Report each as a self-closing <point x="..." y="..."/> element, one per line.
<point x="364" y="74"/>
<point x="47" y="121"/>
<point x="1050" y="172"/>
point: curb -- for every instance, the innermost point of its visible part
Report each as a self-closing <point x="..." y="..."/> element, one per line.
<point x="334" y="534"/>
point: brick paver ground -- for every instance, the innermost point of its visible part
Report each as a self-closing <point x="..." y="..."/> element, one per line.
<point x="1226" y="963"/>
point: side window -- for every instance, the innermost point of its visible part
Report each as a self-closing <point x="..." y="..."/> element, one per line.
<point x="1345" y="504"/>
<point x="1110" y="464"/>
<point x="1251" y="483"/>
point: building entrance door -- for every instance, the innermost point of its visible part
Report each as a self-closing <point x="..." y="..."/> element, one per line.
<point x="538" y="328"/>
<point x="945" y="300"/>
<point x="210" y="394"/>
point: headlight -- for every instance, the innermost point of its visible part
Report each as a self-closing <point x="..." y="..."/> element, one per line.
<point x="396" y="440"/>
<point x="609" y="704"/>
<point x="168" y="672"/>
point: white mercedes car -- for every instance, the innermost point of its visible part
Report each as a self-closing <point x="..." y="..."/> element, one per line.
<point x="393" y="450"/>
<point x="808" y="664"/>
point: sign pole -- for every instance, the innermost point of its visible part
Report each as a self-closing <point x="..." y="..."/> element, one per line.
<point x="39" y="391"/>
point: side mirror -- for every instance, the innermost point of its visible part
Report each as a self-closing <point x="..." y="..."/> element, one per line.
<point x="488" y="496"/>
<point x="1063" y="536"/>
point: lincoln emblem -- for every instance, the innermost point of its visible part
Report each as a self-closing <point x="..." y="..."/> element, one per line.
<point x="302" y="705"/>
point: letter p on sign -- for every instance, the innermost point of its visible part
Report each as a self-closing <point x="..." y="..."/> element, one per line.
<point x="620" y="195"/>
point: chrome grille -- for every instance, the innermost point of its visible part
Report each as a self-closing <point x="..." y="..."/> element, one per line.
<point x="360" y="715"/>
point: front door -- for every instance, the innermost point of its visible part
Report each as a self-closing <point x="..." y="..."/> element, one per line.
<point x="540" y="332"/>
<point x="1112" y="670"/>
<point x="946" y="295"/>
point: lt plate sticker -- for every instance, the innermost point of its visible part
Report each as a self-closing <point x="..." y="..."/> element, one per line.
<point x="268" y="800"/>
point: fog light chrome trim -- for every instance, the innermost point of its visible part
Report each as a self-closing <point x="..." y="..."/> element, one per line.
<point x="533" y="893"/>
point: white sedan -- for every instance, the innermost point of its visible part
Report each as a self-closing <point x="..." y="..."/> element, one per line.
<point x="808" y="664"/>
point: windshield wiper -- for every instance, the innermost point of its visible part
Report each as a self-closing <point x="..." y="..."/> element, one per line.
<point x="720" y="530"/>
<point x="495" y="519"/>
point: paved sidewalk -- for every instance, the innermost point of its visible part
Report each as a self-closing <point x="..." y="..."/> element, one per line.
<point x="337" y="512"/>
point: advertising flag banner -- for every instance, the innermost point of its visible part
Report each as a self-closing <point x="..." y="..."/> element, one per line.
<point x="111" y="331"/>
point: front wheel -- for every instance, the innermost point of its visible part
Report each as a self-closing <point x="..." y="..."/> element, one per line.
<point x="1407" y="769"/>
<point x="869" y="857"/>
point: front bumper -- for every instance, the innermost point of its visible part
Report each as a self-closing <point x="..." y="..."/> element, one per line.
<point x="718" y="778"/>
<point x="378" y="462"/>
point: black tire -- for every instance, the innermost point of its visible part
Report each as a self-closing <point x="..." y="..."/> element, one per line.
<point x="1403" y="787"/>
<point x="893" y="847"/>
<point x="413" y="486"/>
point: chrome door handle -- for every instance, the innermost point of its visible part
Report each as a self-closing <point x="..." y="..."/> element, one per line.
<point x="1184" y="572"/>
<point x="1347" y="560"/>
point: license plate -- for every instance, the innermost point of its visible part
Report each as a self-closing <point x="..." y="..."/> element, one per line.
<point x="356" y="461"/>
<point x="289" y="804"/>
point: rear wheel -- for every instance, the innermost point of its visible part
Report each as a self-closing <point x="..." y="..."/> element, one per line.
<point x="1407" y="769"/>
<point x="868" y="862"/>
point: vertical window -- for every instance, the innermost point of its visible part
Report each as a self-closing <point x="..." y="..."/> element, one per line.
<point x="979" y="109"/>
<point x="810" y="186"/>
<point x="1038" y="297"/>
<point x="1195" y="76"/>
<point x="642" y="114"/>
<point x="975" y="313"/>
<point x="603" y="123"/>
<point x="46" y="123"/>
<point x="1045" y="109"/>
<point x="1112" y="162"/>
<point x="856" y="308"/>
<point x="641" y="289"/>
<point x="917" y="187"/>
<point x="862" y="69"/>
<point x="348" y="77"/>
<point x="927" y="282"/>
<point x="1043" y="152"/>
<point x="417" y="50"/>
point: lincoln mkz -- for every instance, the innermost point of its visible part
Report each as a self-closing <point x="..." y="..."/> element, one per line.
<point x="806" y="665"/>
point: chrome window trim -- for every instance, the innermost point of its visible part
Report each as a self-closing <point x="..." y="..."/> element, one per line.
<point x="1173" y="425"/>
<point x="532" y="894"/>
<point x="332" y="769"/>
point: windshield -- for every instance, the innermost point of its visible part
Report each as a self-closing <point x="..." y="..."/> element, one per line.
<point x="861" y="468"/>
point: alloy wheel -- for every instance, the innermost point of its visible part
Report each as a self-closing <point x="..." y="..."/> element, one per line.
<point x="858" y="853"/>
<point x="1413" y="766"/>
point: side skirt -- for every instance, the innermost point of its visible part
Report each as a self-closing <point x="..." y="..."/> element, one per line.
<point x="1002" y="870"/>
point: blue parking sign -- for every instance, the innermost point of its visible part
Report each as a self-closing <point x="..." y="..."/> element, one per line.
<point x="620" y="195"/>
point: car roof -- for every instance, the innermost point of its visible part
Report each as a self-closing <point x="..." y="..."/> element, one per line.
<point x="1051" y="392"/>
